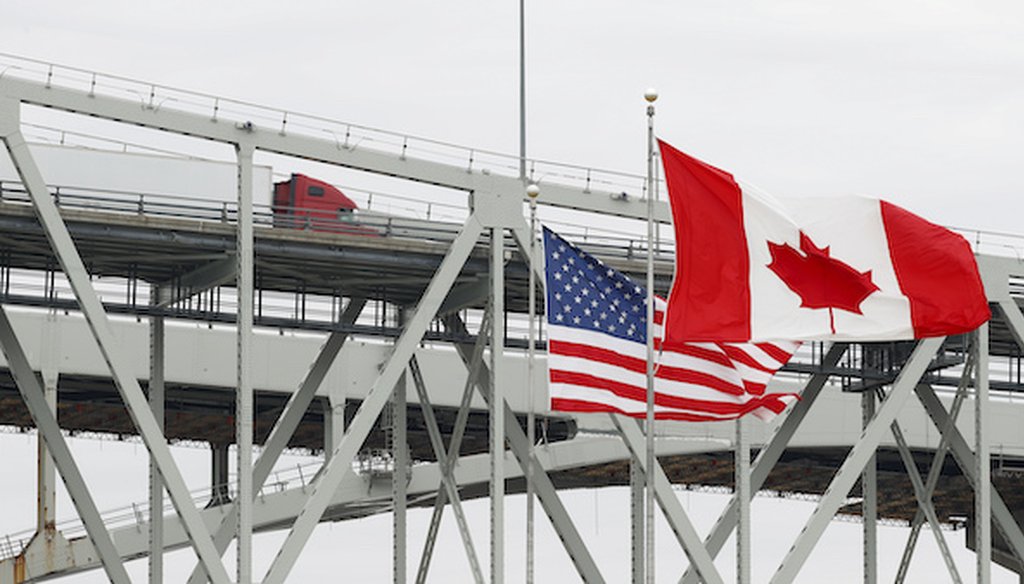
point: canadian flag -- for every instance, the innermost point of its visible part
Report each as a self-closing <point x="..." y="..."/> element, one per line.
<point x="749" y="268"/>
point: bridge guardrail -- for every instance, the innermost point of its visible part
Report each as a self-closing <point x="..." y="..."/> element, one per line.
<point x="345" y="135"/>
<point x="138" y="514"/>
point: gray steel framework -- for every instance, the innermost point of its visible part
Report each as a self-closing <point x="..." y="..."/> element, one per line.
<point x="496" y="209"/>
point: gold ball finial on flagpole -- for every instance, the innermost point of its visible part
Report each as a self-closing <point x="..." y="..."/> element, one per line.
<point x="533" y="191"/>
<point x="651" y="95"/>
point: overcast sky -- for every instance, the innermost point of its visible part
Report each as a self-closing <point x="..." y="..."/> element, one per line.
<point x="917" y="101"/>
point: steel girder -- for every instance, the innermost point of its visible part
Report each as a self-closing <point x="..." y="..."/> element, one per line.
<point x="769" y="456"/>
<point x="334" y="469"/>
<point x="525" y="454"/>
<point x="127" y="385"/>
<point x="855" y="461"/>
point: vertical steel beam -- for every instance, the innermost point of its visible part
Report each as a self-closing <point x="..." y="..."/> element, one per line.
<point x="869" y="491"/>
<point x="687" y="536"/>
<point x="496" y="410"/>
<point x="743" y="495"/>
<point x="334" y="471"/>
<point x="156" y="486"/>
<point x="983" y="486"/>
<point x="636" y="524"/>
<point x="546" y="493"/>
<point x="244" y="254"/>
<point x="219" y="458"/>
<point x="856" y="459"/>
<point x="449" y="486"/>
<point x="769" y="455"/>
<point x="284" y="428"/>
<point x="46" y="483"/>
<point x="135" y="401"/>
<point x="35" y="401"/>
<point x="399" y="481"/>
<point x="334" y="423"/>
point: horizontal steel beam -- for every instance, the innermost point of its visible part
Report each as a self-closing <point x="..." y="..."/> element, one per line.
<point x="213" y="274"/>
<point x="325" y="150"/>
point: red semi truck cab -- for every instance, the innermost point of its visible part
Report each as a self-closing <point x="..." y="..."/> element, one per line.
<point x="303" y="202"/>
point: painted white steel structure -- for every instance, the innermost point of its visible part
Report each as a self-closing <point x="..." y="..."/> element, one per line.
<point x="372" y="371"/>
<point x="834" y="418"/>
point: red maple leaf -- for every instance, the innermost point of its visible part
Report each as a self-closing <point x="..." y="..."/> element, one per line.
<point x="820" y="280"/>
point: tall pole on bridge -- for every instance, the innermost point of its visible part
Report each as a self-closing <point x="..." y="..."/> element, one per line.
<point x="651" y="96"/>
<point x="532" y="191"/>
<point x="522" y="90"/>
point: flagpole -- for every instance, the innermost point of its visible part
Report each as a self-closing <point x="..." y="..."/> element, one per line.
<point x="532" y="191"/>
<point x="522" y="90"/>
<point x="650" y="95"/>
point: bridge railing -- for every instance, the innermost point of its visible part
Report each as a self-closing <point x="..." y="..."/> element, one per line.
<point x="433" y="222"/>
<point x="348" y="135"/>
<point x="139" y="514"/>
<point x="345" y="135"/>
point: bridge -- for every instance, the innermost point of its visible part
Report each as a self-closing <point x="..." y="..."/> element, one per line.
<point x="382" y="347"/>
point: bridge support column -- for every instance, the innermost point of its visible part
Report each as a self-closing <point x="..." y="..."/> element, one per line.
<point x="983" y="485"/>
<point x="46" y="485"/>
<point x="399" y="481"/>
<point x="244" y="398"/>
<point x="334" y="422"/>
<point x="869" y="490"/>
<point x="743" y="495"/>
<point x="636" y="524"/>
<point x="156" y="485"/>
<point x="219" y="463"/>
<point x="496" y="406"/>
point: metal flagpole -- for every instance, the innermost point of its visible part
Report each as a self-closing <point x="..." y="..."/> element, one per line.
<point x="743" y="496"/>
<point x="522" y="89"/>
<point x="650" y="95"/>
<point x="532" y="191"/>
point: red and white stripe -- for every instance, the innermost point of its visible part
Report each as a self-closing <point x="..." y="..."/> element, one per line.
<point x="697" y="382"/>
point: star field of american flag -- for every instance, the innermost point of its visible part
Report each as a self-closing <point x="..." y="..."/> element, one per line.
<point x="585" y="294"/>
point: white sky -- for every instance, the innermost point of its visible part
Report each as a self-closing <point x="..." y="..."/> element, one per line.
<point x="917" y="101"/>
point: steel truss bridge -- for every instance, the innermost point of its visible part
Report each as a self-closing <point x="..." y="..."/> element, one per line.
<point x="399" y="351"/>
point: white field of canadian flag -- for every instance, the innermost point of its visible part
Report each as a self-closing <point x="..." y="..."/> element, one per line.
<point x="752" y="268"/>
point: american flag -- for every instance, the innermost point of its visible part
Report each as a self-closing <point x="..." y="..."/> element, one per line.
<point x="597" y="351"/>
